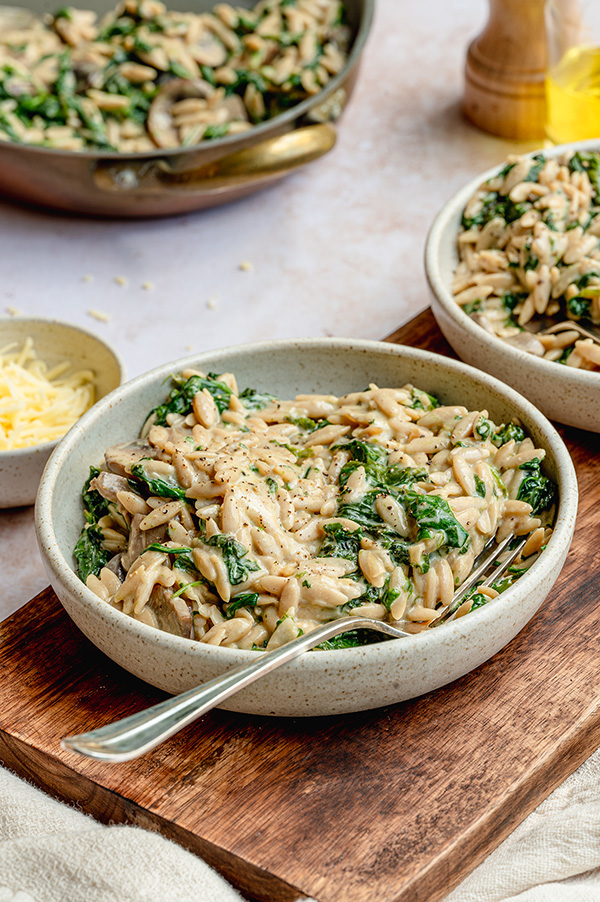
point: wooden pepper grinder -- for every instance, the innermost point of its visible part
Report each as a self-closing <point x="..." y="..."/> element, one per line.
<point x="505" y="70"/>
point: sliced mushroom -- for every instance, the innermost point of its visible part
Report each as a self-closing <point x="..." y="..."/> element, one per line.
<point x="208" y="50"/>
<point x="220" y="110"/>
<point x="120" y="458"/>
<point x="108" y="484"/>
<point x="115" y="565"/>
<point x="525" y="341"/>
<point x="139" y="539"/>
<point x="172" y="614"/>
<point x="482" y="320"/>
<point x="160" y="120"/>
<point x="235" y="108"/>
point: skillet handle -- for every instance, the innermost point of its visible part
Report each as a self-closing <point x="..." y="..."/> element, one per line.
<point x="269" y="159"/>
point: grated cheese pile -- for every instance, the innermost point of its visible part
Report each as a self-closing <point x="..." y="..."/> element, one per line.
<point x="38" y="404"/>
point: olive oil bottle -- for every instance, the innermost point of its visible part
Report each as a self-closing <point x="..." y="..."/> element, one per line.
<point x="573" y="96"/>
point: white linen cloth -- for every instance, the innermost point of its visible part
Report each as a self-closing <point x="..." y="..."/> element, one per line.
<point x="50" y="852"/>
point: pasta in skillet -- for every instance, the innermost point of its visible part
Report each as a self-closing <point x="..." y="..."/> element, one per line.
<point x="242" y="520"/>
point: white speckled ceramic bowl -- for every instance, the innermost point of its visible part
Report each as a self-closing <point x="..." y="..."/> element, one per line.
<point x="569" y="395"/>
<point x="324" y="682"/>
<point x="54" y="341"/>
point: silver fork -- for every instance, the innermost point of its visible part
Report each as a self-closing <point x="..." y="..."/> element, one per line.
<point x="132" y="736"/>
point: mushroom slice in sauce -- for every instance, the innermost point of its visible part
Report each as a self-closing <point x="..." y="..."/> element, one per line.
<point x="172" y="614"/>
<point x="160" y="119"/>
<point x="208" y="50"/>
<point x="139" y="539"/>
<point x="525" y="341"/>
<point x="108" y="484"/>
<point x="121" y="458"/>
<point x="161" y="122"/>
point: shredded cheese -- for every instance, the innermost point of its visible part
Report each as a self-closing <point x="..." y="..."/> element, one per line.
<point x="38" y="404"/>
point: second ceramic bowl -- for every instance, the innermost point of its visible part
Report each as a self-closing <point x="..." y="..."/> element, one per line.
<point x="570" y="396"/>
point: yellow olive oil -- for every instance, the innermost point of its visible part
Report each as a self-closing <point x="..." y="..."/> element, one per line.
<point x="573" y="96"/>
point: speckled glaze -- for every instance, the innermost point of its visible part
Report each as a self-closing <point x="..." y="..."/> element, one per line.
<point x="568" y="395"/>
<point x="319" y="683"/>
<point x="54" y="341"/>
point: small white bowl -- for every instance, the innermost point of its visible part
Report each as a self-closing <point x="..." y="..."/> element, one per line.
<point x="568" y="395"/>
<point x="54" y="341"/>
<point x="322" y="682"/>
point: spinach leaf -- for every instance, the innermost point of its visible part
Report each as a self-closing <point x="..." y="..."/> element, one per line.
<point x="180" y="398"/>
<point x="373" y="457"/>
<point x="579" y="307"/>
<point x="422" y="400"/>
<point x="374" y="475"/>
<point x="183" y="556"/>
<point x="389" y="596"/>
<point x="482" y="428"/>
<point x="91" y="557"/>
<point x="88" y="552"/>
<point x="181" y="589"/>
<point x="301" y="453"/>
<point x="65" y="80"/>
<point x="434" y="515"/>
<point x="95" y="505"/>
<point x="473" y="307"/>
<point x="341" y="542"/>
<point x="119" y="28"/>
<point x="245" y="600"/>
<point x="510" y="299"/>
<point x="479" y="486"/>
<point x="537" y="490"/>
<point x="506" y="432"/>
<point x="539" y="162"/>
<point x="498" y="480"/>
<point x="256" y="400"/>
<point x="234" y="557"/>
<point x="478" y="600"/>
<point x="397" y="476"/>
<point x="590" y="163"/>
<point x="495" y="206"/>
<point x="565" y="355"/>
<point x="584" y="281"/>
<point x="395" y="545"/>
<point x="156" y="486"/>
<point x="303" y="423"/>
<point x="503" y="584"/>
<point x="350" y="639"/>
<point x="365" y="452"/>
<point x="363" y="511"/>
<point x="211" y="132"/>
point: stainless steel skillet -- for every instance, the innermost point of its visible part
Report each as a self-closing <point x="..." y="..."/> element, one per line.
<point x="165" y="182"/>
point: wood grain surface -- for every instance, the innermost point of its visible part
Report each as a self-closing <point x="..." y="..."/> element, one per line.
<point x="393" y="805"/>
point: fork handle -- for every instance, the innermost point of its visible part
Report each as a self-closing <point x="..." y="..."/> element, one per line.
<point x="133" y="736"/>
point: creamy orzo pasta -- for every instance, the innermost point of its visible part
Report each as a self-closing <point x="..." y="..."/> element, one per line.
<point x="242" y="520"/>
<point x="529" y="250"/>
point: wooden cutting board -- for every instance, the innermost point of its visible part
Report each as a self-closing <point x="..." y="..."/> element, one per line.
<point x="393" y="805"/>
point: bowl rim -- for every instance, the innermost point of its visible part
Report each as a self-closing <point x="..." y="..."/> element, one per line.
<point x="46" y="447"/>
<point x="228" y="141"/>
<point x="452" y="632"/>
<point x="438" y="232"/>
